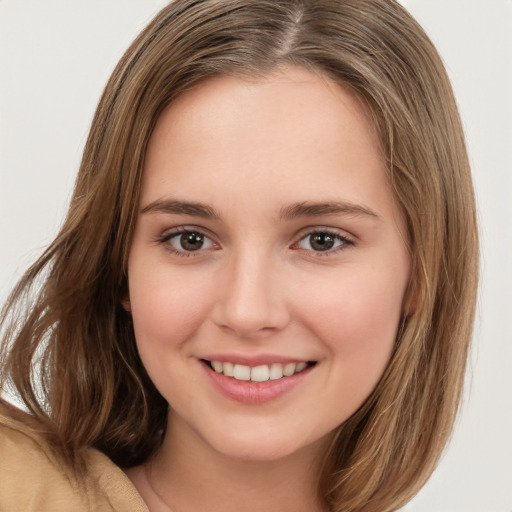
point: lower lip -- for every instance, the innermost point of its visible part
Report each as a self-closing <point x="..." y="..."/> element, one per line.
<point x="254" y="393"/>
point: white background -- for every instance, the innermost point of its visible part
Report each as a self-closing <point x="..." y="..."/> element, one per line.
<point x="55" y="57"/>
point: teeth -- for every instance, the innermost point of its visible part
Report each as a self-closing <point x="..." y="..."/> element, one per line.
<point x="228" y="369"/>
<point x="289" y="369"/>
<point x="300" y="367"/>
<point x="241" y="372"/>
<point x="276" y="371"/>
<point x="260" y="373"/>
<point x="217" y="366"/>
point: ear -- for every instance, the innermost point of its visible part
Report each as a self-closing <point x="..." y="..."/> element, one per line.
<point x="127" y="305"/>
<point x="410" y="301"/>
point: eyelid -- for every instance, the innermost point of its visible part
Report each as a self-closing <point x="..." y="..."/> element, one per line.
<point x="185" y="228"/>
<point x="167" y="235"/>
<point x="340" y="234"/>
<point x="325" y="229"/>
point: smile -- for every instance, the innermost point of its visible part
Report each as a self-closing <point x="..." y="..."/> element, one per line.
<point x="262" y="381"/>
<point x="260" y="373"/>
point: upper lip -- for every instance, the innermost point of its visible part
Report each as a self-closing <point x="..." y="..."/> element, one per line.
<point x="253" y="359"/>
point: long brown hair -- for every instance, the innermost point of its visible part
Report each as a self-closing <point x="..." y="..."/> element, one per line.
<point x="65" y="317"/>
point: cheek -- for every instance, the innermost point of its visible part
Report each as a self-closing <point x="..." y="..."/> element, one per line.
<point x="167" y="307"/>
<point x="357" y="322"/>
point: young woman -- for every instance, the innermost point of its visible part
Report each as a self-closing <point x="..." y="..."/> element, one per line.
<point x="263" y="292"/>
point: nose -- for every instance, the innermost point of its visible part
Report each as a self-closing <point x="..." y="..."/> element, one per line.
<point x="252" y="302"/>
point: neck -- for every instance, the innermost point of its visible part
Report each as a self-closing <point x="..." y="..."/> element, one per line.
<point x="188" y="475"/>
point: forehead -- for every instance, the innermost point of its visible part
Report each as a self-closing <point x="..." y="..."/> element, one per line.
<point x="294" y="132"/>
<point x="289" y="93"/>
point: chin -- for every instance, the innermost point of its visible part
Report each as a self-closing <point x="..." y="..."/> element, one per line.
<point x="266" y="445"/>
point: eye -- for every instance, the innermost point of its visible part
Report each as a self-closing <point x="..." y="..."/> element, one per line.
<point x="323" y="241"/>
<point x="187" y="241"/>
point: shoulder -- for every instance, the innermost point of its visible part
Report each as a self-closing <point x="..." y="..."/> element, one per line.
<point x="33" y="479"/>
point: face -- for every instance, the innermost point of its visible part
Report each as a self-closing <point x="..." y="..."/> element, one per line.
<point x="269" y="262"/>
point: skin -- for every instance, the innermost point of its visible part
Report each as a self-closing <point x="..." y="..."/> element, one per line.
<point x="250" y="151"/>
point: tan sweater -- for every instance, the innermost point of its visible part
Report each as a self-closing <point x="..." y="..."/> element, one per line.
<point x="33" y="480"/>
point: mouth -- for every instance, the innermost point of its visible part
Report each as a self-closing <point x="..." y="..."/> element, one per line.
<point x="260" y="373"/>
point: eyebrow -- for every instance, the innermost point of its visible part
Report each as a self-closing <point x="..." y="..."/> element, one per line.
<point x="296" y="210"/>
<point x="180" y="207"/>
<point x="308" y="209"/>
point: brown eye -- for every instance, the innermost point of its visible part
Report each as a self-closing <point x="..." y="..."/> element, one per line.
<point x="191" y="241"/>
<point x="323" y="241"/>
<point x="188" y="241"/>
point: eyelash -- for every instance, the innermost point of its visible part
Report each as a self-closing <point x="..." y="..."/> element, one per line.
<point x="166" y="238"/>
<point x="344" y="241"/>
